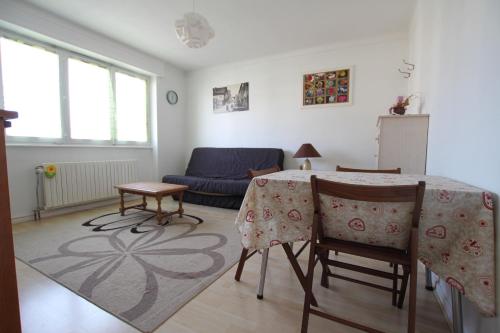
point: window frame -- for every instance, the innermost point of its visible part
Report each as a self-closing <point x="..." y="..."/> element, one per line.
<point x="66" y="140"/>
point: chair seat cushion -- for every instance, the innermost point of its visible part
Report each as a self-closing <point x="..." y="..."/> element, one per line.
<point x="210" y="185"/>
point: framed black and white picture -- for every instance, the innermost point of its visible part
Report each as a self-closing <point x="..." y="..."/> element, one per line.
<point x="231" y="98"/>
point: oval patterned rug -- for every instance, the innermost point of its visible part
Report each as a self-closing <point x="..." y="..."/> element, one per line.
<point x="138" y="271"/>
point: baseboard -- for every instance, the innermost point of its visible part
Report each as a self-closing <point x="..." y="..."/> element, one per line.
<point x="73" y="209"/>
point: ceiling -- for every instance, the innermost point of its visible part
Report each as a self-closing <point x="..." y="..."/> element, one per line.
<point x="244" y="29"/>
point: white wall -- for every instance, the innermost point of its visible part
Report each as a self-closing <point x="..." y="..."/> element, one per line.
<point x="167" y="152"/>
<point x="171" y="132"/>
<point x="342" y="134"/>
<point x="455" y="45"/>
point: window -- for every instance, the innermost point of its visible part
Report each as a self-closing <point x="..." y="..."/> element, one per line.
<point x="90" y="101"/>
<point x="62" y="97"/>
<point x="30" y="80"/>
<point x="131" y="120"/>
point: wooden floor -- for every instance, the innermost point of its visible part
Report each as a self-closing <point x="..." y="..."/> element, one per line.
<point x="226" y="305"/>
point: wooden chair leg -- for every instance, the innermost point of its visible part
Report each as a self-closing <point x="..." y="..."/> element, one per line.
<point x="326" y="270"/>
<point x="412" y="302"/>
<point x="308" y="289"/>
<point x="412" y="308"/>
<point x="324" y="278"/>
<point x="239" y="270"/>
<point x="297" y="254"/>
<point x="395" y="284"/>
<point x="404" y="283"/>
<point x="298" y="270"/>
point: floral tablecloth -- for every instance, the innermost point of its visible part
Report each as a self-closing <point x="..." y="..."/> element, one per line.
<point x="456" y="229"/>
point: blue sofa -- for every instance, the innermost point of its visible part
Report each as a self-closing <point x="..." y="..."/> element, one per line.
<point x="218" y="176"/>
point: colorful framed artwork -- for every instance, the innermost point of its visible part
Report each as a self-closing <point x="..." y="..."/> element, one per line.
<point x="327" y="88"/>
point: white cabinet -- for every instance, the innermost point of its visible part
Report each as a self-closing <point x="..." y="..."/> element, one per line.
<point x="403" y="142"/>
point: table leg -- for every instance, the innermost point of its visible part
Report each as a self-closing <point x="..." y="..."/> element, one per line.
<point x="181" y="195"/>
<point x="159" y="214"/>
<point x="428" y="279"/>
<point x="144" y="203"/>
<point x="456" y="305"/>
<point x="122" y="203"/>
<point x="263" y="269"/>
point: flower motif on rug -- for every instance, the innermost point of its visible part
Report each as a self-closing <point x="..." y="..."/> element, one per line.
<point x="103" y="258"/>
<point x="134" y="221"/>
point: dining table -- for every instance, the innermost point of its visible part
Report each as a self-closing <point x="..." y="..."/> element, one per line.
<point x="456" y="231"/>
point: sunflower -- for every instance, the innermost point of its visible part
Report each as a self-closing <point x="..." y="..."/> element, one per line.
<point x="50" y="171"/>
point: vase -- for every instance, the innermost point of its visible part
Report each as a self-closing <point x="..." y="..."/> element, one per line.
<point x="398" y="110"/>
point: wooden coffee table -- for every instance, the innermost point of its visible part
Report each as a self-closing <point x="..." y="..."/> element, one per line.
<point x="152" y="189"/>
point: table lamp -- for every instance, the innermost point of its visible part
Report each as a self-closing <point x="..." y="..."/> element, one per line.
<point x="306" y="150"/>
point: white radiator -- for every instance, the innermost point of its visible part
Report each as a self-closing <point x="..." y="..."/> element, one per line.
<point x="83" y="182"/>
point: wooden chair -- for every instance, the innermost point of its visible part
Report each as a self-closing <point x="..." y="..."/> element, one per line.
<point x="251" y="173"/>
<point x="343" y="169"/>
<point x="322" y="242"/>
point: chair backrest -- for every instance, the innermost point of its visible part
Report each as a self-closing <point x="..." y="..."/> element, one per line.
<point x="255" y="173"/>
<point x="376" y="215"/>
<point x="343" y="169"/>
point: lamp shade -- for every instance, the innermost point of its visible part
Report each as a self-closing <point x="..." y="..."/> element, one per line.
<point x="306" y="150"/>
<point x="193" y="30"/>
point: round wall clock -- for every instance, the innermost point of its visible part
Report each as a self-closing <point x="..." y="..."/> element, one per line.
<point x="172" y="97"/>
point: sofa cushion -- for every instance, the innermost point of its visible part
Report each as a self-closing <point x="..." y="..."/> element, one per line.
<point x="208" y="185"/>
<point x="232" y="163"/>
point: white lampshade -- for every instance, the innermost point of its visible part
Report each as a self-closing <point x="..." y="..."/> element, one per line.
<point x="193" y="30"/>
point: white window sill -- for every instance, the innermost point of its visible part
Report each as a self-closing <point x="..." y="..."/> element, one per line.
<point x="52" y="145"/>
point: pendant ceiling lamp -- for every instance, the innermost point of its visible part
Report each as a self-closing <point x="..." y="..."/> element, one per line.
<point x="193" y="30"/>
